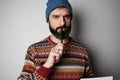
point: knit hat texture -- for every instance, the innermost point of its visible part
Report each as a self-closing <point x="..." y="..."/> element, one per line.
<point x="53" y="4"/>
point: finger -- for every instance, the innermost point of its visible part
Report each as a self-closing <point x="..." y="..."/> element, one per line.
<point x="57" y="57"/>
<point x="59" y="47"/>
<point x="54" y="56"/>
<point x="59" y="51"/>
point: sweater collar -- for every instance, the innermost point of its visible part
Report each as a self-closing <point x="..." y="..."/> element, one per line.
<point x="53" y="43"/>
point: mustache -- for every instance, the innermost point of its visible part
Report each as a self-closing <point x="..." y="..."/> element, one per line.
<point x="61" y="29"/>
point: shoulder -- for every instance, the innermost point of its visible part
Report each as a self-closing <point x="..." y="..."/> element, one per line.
<point x="38" y="44"/>
<point x="79" y="45"/>
<point x="37" y="47"/>
<point x="80" y="48"/>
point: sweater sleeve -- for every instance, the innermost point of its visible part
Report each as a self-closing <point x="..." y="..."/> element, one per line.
<point x="30" y="71"/>
<point x="89" y="72"/>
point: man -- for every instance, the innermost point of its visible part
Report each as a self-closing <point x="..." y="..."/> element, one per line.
<point x="57" y="57"/>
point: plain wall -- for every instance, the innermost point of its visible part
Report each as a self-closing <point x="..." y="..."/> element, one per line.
<point x="95" y="25"/>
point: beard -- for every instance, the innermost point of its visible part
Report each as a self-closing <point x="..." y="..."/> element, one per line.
<point x="63" y="32"/>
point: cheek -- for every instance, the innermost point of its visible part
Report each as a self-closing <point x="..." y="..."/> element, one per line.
<point x="53" y="24"/>
<point x="68" y="23"/>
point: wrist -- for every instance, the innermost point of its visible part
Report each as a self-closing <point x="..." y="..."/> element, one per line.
<point x="44" y="72"/>
<point x="48" y="65"/>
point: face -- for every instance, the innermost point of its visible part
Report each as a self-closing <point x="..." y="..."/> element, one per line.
<point x="60" y="23"/>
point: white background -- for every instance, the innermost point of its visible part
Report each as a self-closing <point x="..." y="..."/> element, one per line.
<point x="96" y="24"/>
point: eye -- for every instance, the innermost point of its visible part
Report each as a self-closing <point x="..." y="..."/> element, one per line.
<point x="55" y="16"/>
<point x="67" y="17"/>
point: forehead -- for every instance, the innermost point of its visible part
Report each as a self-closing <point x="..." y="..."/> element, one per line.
<point x="60" y="10"/>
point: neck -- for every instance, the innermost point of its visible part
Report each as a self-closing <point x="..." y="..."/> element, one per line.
<point x="56" y="40"/>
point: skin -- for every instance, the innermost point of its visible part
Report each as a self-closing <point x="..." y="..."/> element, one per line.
<point x="58" y="17"/>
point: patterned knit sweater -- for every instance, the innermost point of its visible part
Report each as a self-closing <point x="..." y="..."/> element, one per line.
<point x="74" y="64"/>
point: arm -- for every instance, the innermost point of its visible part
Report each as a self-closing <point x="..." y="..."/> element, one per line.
<point x="88" y="68"/>
<point x="30" y="71"/>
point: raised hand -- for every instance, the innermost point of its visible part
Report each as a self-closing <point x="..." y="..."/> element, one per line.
<point x="54" y="56"/>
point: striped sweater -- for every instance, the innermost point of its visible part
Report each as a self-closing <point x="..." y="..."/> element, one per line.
<point x="74" y="64"/>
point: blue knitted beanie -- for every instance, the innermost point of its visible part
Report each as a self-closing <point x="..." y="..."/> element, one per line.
<point x="53" y="4"/>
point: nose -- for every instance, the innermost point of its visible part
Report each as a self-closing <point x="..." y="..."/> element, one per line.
<point x="62" y="21"/>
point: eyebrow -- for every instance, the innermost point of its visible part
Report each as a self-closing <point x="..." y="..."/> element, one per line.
<point x="59" y="15"/>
